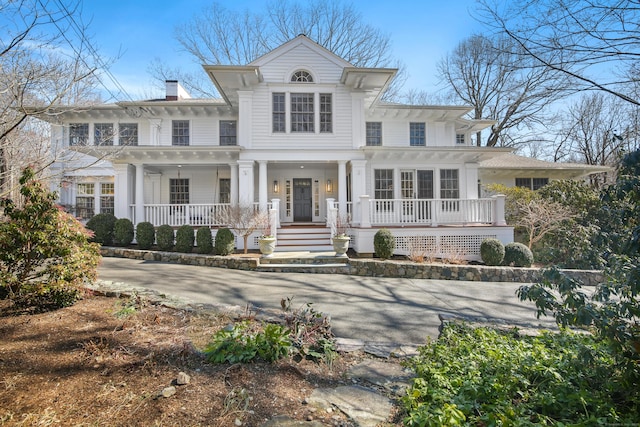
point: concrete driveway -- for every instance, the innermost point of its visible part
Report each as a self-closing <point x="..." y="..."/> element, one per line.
<point x="365" y="308"/>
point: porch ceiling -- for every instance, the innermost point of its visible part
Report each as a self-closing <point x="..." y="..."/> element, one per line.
<point x="434" y="154"/>
<point x="165" y="154"/>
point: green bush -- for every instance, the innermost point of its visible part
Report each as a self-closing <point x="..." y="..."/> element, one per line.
<point x="145" y="235"/>
<point x="518" y="255"/>
<point x="225" y="242"/>
<point x="164" y="237"/>
<point x="483" y="377"/>
<point x="123" y="231"/>
<point x="102" y="226"/>
<point x="384" y="243"/>
<point x="204" y="241"/>
<point x="45" y="254"/>
<point x="492" y="251"/>
<point x="241" y="345"/>
<point x="184" y="239"/>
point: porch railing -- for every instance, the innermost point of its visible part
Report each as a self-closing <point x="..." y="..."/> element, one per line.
<point x="431" y="211"/>
<point x="206" y="214"/>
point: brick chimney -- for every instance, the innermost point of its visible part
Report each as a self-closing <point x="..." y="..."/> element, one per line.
<point x="175" y="91"/>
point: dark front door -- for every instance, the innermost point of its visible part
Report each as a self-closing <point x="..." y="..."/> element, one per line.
<point x="302" y="198"/>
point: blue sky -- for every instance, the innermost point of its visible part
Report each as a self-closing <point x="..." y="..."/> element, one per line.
<point x="138" y="31"/>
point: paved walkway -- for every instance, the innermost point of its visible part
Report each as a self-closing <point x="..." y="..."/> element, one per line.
<point x="364" y="308"/>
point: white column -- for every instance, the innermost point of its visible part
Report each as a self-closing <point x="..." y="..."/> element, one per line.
<point x="154" y="131"/>
<point x="234" y="183"/>
<point x="498" y="210"/>
<point x="365" y="221"/>
<point x="122" y="193"/>
<point x="342" y="187"/>
<point x="245" y="182"/>
<point x="263" y="189"/>
<point x="139" y="194"/>
<point x="471" y="184"/>
<point x="358" y="186"/>
<point x="96" y="197"/>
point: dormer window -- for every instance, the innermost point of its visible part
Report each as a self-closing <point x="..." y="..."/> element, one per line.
<point x="301" y="76"/>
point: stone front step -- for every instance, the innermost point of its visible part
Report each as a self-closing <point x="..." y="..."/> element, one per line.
<point x="307" y="258"/>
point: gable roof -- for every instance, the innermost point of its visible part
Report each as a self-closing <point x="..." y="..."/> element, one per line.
<point x="300" y="40"/>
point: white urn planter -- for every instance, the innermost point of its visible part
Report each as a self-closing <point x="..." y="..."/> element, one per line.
<point x="341" y="245"/>
<point x="267" y="245"/>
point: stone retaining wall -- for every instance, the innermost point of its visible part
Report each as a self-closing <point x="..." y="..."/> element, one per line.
<point x="363" y="267"/>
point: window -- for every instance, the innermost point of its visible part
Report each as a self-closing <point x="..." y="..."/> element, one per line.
<point x="326" y="115"/>
<point x="279" y="113"/>
<point x="302" y="112"/>
<point x="416" y="134"/>
<point x="460" y="139"/>
<point x="383" y="183"/>
<point x="228" y="132"/>
<point x="85" y="202"/>
<point x="180" y="132"/>
<point x="106" y="197"/>
<point x="225" y="190"/>
<point x="179" y="191"/>
<point x="532" y="183"/>
<point x="103" y="134"/>
<point x="374" y="133"/>
<point x="78" y="133"/>
<point x="449" y="185"/>
<point x="301" y="77"/>
<point x="128" y="134"/>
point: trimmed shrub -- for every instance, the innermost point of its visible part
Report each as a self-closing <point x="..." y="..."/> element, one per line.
<point x="384" y="243"/>
<point x="102" y="226"/>
<point x="164" y="237"/>
<point x="145" y="235"/>
<point x="225" y="242"/>
<point x="518" y="255"/>
<point x="123" y="231"/>
<point x="492" y="251"/>
<point x="204" y="241"/>
<point x="184" y="239"/>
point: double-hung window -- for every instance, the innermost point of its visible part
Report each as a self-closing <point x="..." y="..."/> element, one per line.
<point x="180" y="132"/>
<point x="103" y="133"/>
<point x="85" y="200"/>
<point x="450" y="189"/>
<point x="279" y="112"/>
<point x="128" y="134"/>
<point x="383" y="183"/>
<point x="228" y="132"/>
<point x="78" y="133"/>
<point x="106" y="197"/>
<point x="416" y="134"/>
<point x="326" y="113"/>
<point x="302" y="112"/>
<point x="179" y="191"/>
<point x="374" y="133"/>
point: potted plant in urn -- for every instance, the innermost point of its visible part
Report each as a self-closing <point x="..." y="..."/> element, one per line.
<point x="341" y="239"/>
<point x="266" y="241"/>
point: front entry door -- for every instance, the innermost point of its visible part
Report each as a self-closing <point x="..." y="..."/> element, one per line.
<point x="416" y="184"/>
<point x="302" y="200"/>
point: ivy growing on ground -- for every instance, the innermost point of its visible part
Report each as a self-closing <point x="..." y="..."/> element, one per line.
<point x="480" y="376"/>
<point x="45" y="254"/>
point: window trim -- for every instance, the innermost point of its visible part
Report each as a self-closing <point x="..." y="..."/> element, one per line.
<point x="326" y="117"/>
<point x="134" y="137"/>
<point x="370" y="137"/>
<point x="417" y="137"/>
<point x="303" y="117"/>
<point x="99" y="137"/>
<point x="228" y="139"/>
<point x="281" y="114"/>
<point x="74" y="132"/>
<point x="178" y="136"/>
<point x="301" y="76"/>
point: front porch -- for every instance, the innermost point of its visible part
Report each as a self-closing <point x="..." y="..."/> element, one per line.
<point x="437" y="228"/>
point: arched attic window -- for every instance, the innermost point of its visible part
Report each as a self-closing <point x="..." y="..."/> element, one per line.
<point x="301" y="76"/>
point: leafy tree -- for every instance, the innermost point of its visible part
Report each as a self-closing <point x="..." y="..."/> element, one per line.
<point x="45" y="254"/>
<point x="612" y="310"/>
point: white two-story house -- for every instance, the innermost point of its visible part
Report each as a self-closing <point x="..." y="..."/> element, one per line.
<point x="299" y="132"/>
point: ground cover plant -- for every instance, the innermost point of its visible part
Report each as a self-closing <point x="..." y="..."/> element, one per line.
<point x="483" y="377"/>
